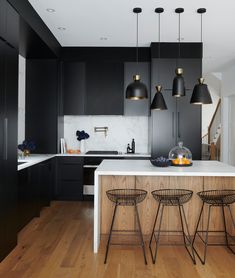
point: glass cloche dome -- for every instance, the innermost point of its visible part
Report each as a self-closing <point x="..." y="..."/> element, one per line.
<point x="180" y="155"/>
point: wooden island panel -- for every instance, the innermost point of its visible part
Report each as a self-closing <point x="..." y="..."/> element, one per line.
<point x="147" y="209"/>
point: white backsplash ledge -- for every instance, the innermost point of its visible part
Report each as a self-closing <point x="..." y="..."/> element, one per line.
<point x="121" y="131"/>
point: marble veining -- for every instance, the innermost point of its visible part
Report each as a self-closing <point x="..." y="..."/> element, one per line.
<point x="121" y="130"/>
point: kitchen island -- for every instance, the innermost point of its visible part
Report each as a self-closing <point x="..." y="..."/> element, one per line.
<point x="141" y="174"/>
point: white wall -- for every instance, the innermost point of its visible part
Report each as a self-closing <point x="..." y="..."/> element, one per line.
<point x="21" y="100"/>
<point x="228" y="128"/>
<point x="208" y="111"/>
<point x="231" y="130"/>
<point x="121" y="130"/>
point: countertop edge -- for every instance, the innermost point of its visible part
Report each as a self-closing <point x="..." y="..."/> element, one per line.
<point x="35" y="159"/>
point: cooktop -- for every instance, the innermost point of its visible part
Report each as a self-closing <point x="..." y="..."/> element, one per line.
<point x="102" y="152"/>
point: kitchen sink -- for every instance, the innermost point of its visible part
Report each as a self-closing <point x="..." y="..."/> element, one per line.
<point x="102" y="152"/>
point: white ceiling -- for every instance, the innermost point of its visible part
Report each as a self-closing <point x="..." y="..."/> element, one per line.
<point x="88" y="21"/>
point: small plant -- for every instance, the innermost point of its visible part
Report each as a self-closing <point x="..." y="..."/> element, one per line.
<point x="27" y="145"/>
<point x="82" y="135"/>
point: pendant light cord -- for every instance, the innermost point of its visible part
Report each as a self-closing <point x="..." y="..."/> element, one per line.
<point x="137" y="39"/>
<point x="178" y="43"/>
<point x="159" y="38"/>
<point x="201" y="38"/>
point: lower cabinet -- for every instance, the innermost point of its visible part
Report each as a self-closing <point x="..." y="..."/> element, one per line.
<point x="69" y="181"/>
<point x="34" y="191"/>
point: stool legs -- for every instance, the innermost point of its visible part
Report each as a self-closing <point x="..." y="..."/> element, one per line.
<point x="140" y="233"/>
<point x="203" y="260"/>
<point x="186" y="236"/>
<point x="158" y="233"/>
<point x="110" y="233"/>
<point x="225" y="228"/>
<point x="205" y="242"/>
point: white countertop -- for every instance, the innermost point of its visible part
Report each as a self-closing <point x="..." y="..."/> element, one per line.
<point x="33" y="159"/>
<point x="145" y="168"/>
<point x="109" y="155"/>
<point x="38" y="158"/>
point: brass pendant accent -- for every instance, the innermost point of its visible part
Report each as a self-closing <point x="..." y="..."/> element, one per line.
<point x="179" y="71"/>
<point x="136" y="77"/>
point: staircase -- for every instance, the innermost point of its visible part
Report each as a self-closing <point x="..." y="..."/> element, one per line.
<point x="211" y="141"/>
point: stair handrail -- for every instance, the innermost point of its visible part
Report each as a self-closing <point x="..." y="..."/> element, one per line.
<point x="212" y="119"/>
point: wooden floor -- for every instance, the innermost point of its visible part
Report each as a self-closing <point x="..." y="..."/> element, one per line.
<point x="59" y="244"/>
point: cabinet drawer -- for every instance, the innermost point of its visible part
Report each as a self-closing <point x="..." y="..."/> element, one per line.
<point x="69" y="190"/>
<point x="70" y="171"/>
<point x="70" y="160"/>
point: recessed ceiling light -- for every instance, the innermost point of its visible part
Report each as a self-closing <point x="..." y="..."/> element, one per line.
<point x="62" y="28"/>
<point x="50" y="10"/>
<point x="103" y="38"/>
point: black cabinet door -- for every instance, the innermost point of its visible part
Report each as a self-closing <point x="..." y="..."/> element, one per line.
<point x="3" y="19"/>
<point x="188" y="124"/>
<point x="28" y="195"/>
<point x="163" y="73"/>
<point x="192" y="71"/>
<point x="69" y="184"/>
<point x="164" y="127"/>
<point x="45" y="182"/>
<point x="104" y="88"/>
<point x="10" y="122"/>
<point x="12" y="26"/>
<point x="74" y="90"/>
<point x="8" y="147"/>
<point x="42" y="104"/>
<point x="2" y="101"/>
<point x="133" y="107"/>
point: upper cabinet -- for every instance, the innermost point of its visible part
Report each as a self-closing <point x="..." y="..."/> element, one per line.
<point x="182" y="120"/>
<point x="93" y="88"/>
<point x="3" y="19"/>
<point x="9" y="24"/>
<point x="98" y="88"/>
<point x="163" y="73"/>
<point x="104" y="88"/>
<point x="74" y="87"/>
<point x="137" y="107"/>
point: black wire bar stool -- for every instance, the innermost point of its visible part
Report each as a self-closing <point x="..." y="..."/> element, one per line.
<point x="126" y="197"/>
<point x="174" y="198"/>
<point x="215" y="198"/>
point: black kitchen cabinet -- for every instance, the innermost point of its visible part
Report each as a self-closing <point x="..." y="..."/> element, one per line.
<point x="74" y="87"/>
<point x="41" y="123"/>
<point x="104" y="88"/>
<point x="69" y="183"/>
<point x="162" y="73"/>
<point x="9" y="24"/>
<point x="189" y="124"/>
<point x="182" y="120"/>
<point x="28" y="195"/>
<point x="46" y="182"/>
<point x="35" y="185"/>
<point x="12" y="26"/>
<point x="93" y="88"/>
<point x="133" y="107"/>
<point x="8" y="144"/>
<point x="164" y="127"/>
<point x="3" y="18"/>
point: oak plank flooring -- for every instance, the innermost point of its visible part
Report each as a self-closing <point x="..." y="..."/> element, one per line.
<point x="59" y="244"/>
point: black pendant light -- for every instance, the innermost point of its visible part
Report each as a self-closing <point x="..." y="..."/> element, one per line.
<point x="201" y="94"/>
<point x="158" y="102"/>
<point x="136" y="90"/>
<point x="178" y="82"/>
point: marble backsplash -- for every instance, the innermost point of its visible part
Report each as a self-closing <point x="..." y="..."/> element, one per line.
<point x="121" y="130"/>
